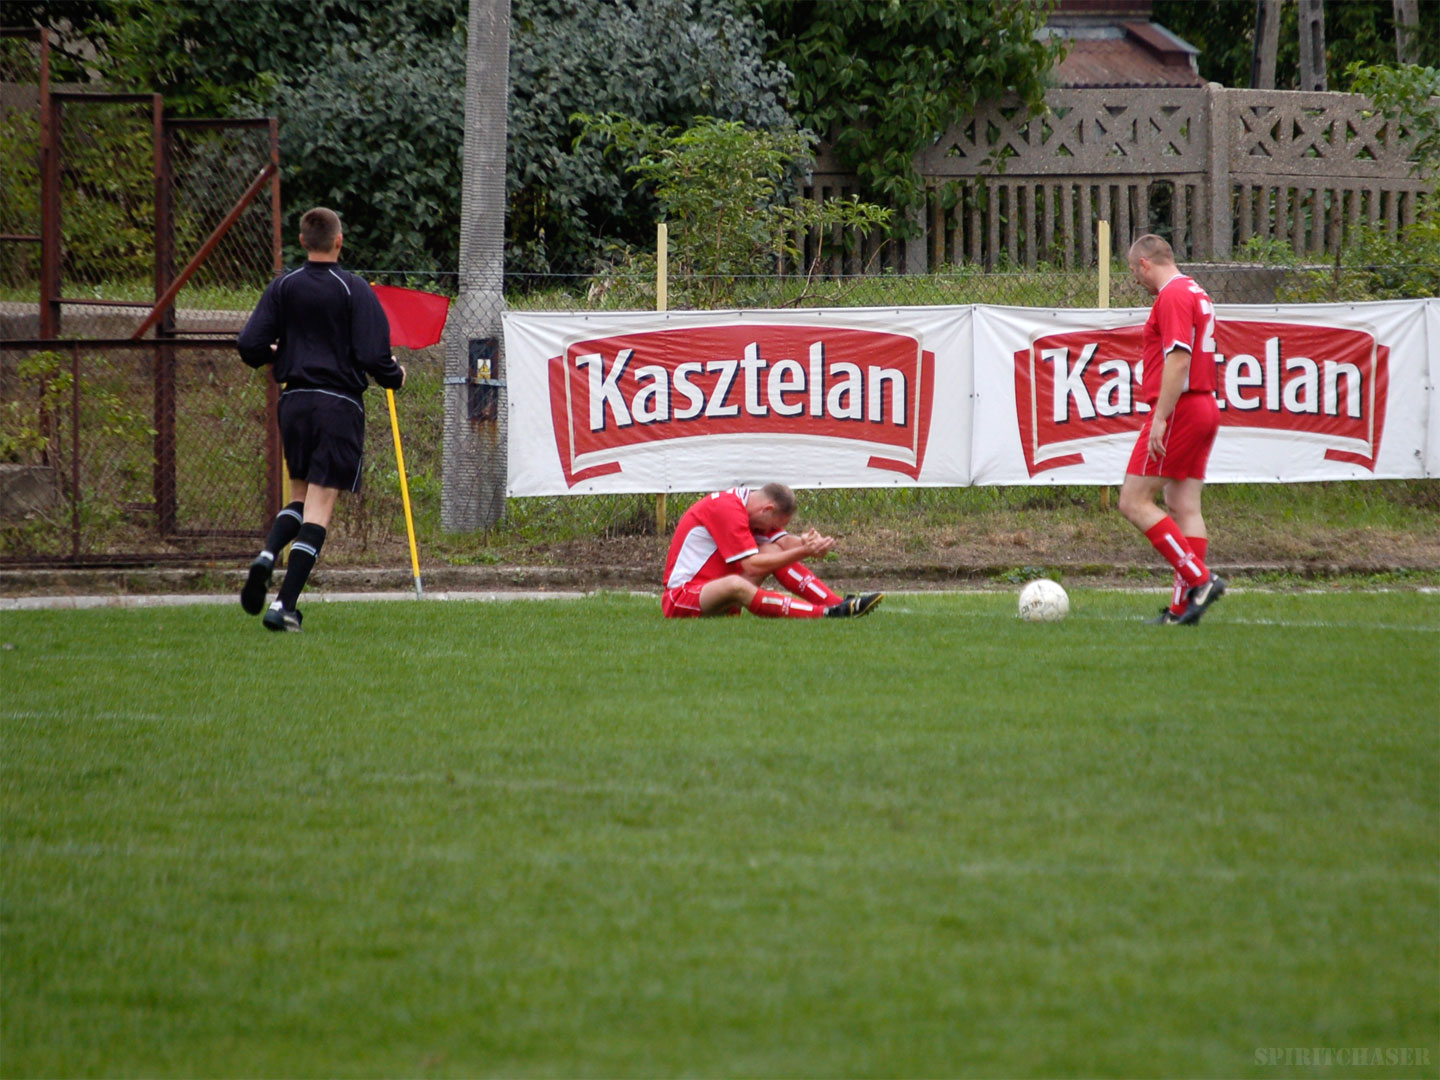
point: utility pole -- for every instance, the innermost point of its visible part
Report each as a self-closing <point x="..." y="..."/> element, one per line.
<point x="1267" y="44"/>
<point x="474" y="464"/>
<point x="1312" y="45"/>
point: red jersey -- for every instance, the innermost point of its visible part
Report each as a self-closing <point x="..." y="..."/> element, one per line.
<point x="711" y="535"/>
<point x="1183" y="316"/>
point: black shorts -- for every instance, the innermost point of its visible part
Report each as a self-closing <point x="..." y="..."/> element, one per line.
<point x="324" y="436"/>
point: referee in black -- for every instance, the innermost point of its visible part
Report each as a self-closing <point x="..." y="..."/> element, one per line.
<point x="325" y="332"/>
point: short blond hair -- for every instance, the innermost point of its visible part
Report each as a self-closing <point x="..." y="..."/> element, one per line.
<point x="781" y="496"/>
<point x="1155" y="248"/>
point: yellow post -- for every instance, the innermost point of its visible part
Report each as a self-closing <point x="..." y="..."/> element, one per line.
<point x="405" y="494"/>
<point x="662" y="301"/>
<point x="1103" y="248"/>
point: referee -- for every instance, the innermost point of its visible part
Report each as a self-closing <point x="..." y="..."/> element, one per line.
<point x="326" y="334"/>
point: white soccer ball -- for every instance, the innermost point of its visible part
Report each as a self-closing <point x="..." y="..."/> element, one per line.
<point x="1044" y="601"/>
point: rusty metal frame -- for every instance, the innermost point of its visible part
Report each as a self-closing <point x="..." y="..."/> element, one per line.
<point x="160" y="314"/>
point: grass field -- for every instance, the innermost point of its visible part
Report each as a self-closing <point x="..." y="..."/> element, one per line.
<point x="571" y="839"/>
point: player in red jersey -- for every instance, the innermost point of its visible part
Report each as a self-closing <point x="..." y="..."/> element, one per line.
<point x="729" y="542"/>
<point x="1179" y="383"/>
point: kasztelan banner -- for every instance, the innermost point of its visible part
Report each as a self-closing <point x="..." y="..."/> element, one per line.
<point x="947" y="396"/>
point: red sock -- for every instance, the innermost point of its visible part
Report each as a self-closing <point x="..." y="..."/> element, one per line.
<point x="1200" y="546"/>
<point x="774" y="605"/>
<point x="801" y="580"/>
<point x="1165" y="536"/>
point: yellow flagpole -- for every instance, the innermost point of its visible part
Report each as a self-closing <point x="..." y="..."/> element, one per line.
<point x="405" y="494"/>
<point x="662" y="303"/>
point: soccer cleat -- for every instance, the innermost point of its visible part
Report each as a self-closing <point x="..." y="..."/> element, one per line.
<point x="252" y="596"/>
<point x="852" y="607"/>
<point x="1199" y="598"/>
<point x="277" y="618"/>
<point x="1165" y="618"/>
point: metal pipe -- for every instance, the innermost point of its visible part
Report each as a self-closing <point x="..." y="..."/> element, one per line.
<point x="205" y="250"/>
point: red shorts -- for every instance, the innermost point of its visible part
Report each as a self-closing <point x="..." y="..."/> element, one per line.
<point x="1188" y="439"/>
<point x="683" y="601"/>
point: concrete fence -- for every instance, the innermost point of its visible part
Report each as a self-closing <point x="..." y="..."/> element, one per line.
<point x="1208" y="167"/>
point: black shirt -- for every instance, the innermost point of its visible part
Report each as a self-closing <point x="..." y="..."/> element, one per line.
<point x="330" y="330"/>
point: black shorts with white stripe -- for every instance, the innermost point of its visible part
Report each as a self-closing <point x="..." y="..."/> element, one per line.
<point x="324" y="436"/>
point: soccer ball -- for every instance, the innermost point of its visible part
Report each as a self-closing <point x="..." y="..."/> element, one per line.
<point x="1043" y="601"/>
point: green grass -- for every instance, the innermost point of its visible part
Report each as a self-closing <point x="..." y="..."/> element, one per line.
<point x="572" y="839"/>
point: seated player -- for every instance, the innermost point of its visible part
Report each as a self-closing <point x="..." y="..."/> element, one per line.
<point x="729" y="542"/>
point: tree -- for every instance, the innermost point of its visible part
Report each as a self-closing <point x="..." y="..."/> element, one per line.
<point x="882" y="80"/>
<point x="1356" y="31"/>
<point x="375" y="131"/>
<point x="724" y="189"/>
<point x="654" y="61"/>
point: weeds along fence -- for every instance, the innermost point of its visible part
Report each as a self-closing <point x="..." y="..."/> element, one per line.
<point x="121" y="452"/>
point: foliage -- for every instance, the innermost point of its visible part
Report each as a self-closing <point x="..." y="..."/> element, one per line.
<point x="375" y="131"/>
<point x="652" y="61"/>
<point x="723" y="189"/>
<point x="1356" y="31"/>
<point x="212" y="57"/>
<point x="881" y="81"/>
<point x="116" y="444"/>
<point x="1406" y="94"/>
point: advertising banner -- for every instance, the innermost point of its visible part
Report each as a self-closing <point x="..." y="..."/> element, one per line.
<point x="689" y="401"/>
<point x="1306" y="392"/>
<point x="950" y="396"/>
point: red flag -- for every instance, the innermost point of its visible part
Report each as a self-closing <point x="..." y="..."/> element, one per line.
<point x="416" y="318"/>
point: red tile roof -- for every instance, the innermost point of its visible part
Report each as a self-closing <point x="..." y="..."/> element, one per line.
<point x="1145" y="55"/>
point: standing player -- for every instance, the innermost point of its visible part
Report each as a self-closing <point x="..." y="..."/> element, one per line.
<point x="1174" y="445"/>
<point x="325" y="332"/>
<point x="729" y="542"/>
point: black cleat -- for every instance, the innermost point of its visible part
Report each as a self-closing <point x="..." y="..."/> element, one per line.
<point x="1201" y="597"/>
<point x="1165" y="618"/>
<point x="852" y="607"/>
<point x="252" y="596"/>
<point x="277" y="618"/>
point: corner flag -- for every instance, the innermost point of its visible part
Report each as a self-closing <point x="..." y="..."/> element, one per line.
<point x="416" y="318"/>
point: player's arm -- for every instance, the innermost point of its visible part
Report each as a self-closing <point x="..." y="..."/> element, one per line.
<point x="776" y="557"/>
<point x="262" y="330"/>
<point x="370" y="340"/>
<point x="1173" y="380"/>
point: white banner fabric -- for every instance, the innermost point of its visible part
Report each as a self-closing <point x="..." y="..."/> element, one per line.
<point x="702" y="400"/>
<point x="950" y="396"/>
<point x="1306" y="392"/>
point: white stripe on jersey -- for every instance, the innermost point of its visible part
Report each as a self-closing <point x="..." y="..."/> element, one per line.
<point x="695" y="552"/>
<point x="699" y="545"/>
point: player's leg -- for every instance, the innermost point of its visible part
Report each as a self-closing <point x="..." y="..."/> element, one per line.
<point x="283" y="530"/>
<point x="1182" y="498"/>
<point x="800" y="579"/>
<point x="1137" y="504"/>
<point x="734" y="591"/>
<point x="304" y="553"/>
<point x="336" y="428"/>
<point x="286" y="525"/>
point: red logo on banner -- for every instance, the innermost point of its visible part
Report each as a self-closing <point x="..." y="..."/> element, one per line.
<point x="1325" y="381"/>
<point x="609" y="395"/>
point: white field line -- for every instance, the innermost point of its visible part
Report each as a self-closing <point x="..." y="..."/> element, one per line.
<point x="1225" y="617"/>
<point x="160" y="600"/>
<point x="85" y="603"/>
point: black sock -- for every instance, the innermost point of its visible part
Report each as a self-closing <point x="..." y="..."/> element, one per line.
<point x="282" y="530"/>
<point x="303" y="553"/>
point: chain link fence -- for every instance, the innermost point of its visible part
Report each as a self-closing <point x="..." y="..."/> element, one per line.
<point x="113" y="451"/>
<point x="19" y="167"/>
